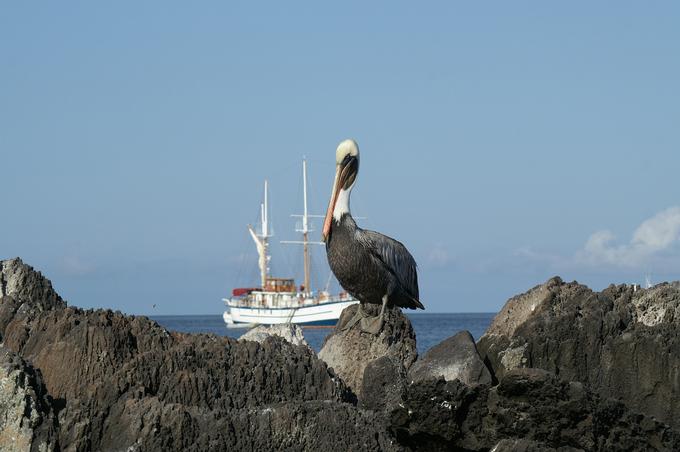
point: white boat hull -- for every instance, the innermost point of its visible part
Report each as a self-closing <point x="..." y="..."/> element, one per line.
<point x="311" y="315"/>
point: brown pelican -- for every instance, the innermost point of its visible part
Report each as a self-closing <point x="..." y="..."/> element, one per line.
<point x="370" y="266"/>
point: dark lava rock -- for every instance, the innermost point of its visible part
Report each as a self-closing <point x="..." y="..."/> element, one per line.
<point x="523" y="445"/>
<point x="95" y="363"/>
<point x="81" y="380"/>
<point x="27" y="421"/>
<point x="121" y="382"/>
<point x="530" y="405"/>
<point x="453" y="358"/>
<point x="24" y="289"/>
<point x="622" y="343"/>
<point x="148" y="424"/>
<point x="349" y="352"/>
<point x="384" y="384"/>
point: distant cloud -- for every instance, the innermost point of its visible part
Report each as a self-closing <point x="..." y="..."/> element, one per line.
<point x="654" y="243"/>
<point x="655" y="236"/>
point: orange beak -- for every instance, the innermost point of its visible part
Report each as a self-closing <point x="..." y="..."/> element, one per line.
<point x="331" y="204"/>
<point x="345" y="174"/>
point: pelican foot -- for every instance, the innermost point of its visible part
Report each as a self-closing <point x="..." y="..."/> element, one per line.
<point x="372" y="325"/>
<point x="358" y="316"/>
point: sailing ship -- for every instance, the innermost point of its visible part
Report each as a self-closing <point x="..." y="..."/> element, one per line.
<point x="279" y="300"/>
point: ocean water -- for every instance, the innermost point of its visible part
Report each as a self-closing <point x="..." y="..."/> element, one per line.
<point x="430" y="328"/>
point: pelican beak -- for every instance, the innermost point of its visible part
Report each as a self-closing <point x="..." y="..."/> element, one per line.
<point x="331" y="205"/>
<point x="345" y="174"/>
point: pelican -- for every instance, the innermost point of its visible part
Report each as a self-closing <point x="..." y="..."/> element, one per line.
<point x="370" y="266"/>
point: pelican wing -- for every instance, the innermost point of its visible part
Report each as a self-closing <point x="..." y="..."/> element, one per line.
<point x="394" y="257"/>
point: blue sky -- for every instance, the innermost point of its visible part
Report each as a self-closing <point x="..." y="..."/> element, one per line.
<point x="503" y="143"/>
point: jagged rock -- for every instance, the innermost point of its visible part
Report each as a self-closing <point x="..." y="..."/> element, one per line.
<point x="349" y="351"/>
<point x="24" y="290"/>
<point x="96" y="363"/>
<point x="453" y="358"/>
<point x="76" y="349"/>
<point x="124" y="383"/>
<point x="288" y="331"/>
<point x="147" y="424"/>
<point x="100" y="380"/>
<point x="621" y="342"/>
<point x="523" y="445"/>
<point x="531" y="405"/>
<point x="383" y="385"/>
<point x="24" y="284"/>
<point x="96" y="360"/>
<point x="27" y="422"/>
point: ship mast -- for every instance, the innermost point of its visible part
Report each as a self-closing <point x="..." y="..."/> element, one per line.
<point x="305" y="228"/>
<point x="261" y="240"/>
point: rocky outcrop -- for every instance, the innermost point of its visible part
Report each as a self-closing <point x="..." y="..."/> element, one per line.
<point x="25" y="290"/>
<point x="622" y="343"/>
<point x="148" y="424"/>
<point x="121" y="382"/>
<point x="383" y="385"/>
<point x="349" y="351"/>
<point x="531" y="409"/>
<point x="101" y="364"/>
<point x="26" y="285"/>
<point x="27" y="421"/>
<point x="454" y="358"/>
<point x="78" y="380"/>
<point x="287" y="331"/>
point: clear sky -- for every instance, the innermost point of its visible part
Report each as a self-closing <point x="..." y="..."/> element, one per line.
<point x="502" y="142"/>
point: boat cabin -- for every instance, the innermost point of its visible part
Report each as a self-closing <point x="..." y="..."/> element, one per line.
<point x="279" y="285"/>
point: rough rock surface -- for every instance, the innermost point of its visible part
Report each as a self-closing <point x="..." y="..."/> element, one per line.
<point x="384" y="384"/>
<point x="623" y="343"/>
<point x="24" y="284"/>
<point x="148" y="424"/>
<point x="80" y="380"/>
<point x="22" y="289"/>
<point x="290" y="332"/>
<point x="453" y="358"/>
<point x="125" y="362"/>
<point x="27" y="421"/>
<point x="523" y="445"/>
<point x="348" y="352"/>
<point x="121" y="382"/>
<point x="531" y="405"/>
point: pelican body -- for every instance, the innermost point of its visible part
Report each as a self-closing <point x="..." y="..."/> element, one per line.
<point x="370" y="266"/>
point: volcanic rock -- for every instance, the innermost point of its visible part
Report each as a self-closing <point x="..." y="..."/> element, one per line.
<point x="27" y="421"/>
<point x="453" y="358"/>
<point x="148" y="424"/>
<point x="24" y="290"/>
<point x="99" y="364"/>
<point x="24" y="284"/>
<point x="125" y="383"/>
<point x="622" y="342"/>
<point x="349" y="351"/>
<point x="523" y="445"/>
<point x="530" y="405"/>
<point x="79" y="380"/>
<point x="288" y="331"/>
<point x="383" y="385"/>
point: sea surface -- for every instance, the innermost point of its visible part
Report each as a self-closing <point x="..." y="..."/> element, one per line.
<point x="430" y="328"/>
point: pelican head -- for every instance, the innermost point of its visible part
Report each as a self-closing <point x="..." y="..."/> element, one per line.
<point x="346" y="170"/>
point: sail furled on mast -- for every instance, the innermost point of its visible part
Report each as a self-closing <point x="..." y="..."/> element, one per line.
<point x="261" y="245"/>
<point x="261" y="241"/>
